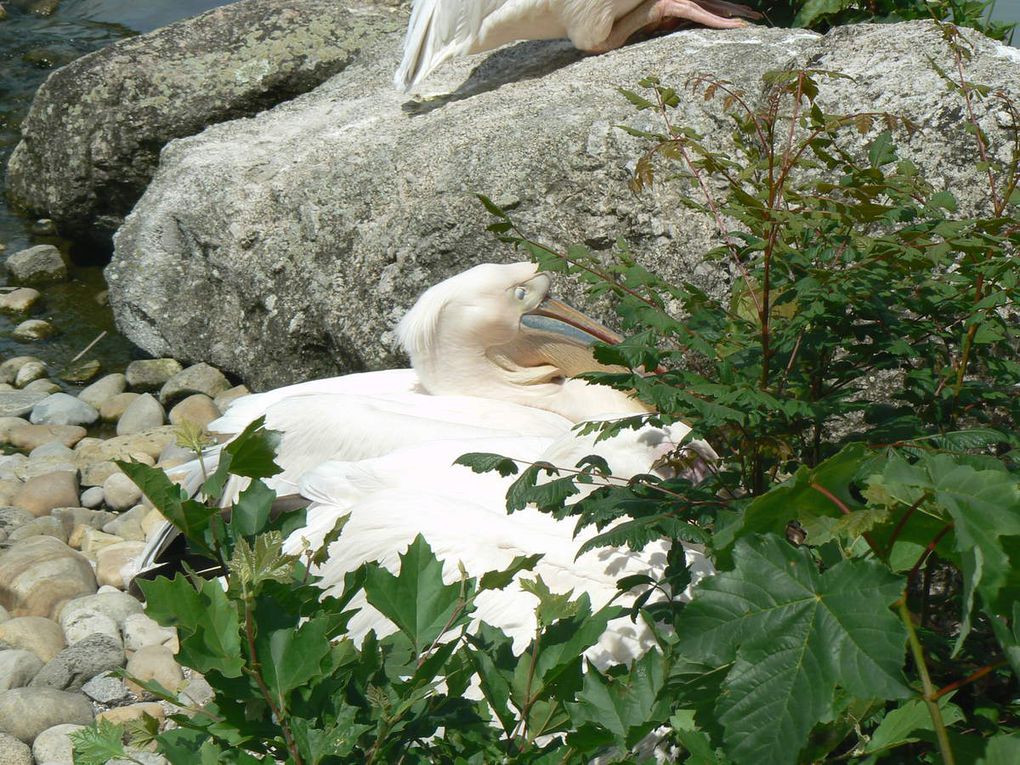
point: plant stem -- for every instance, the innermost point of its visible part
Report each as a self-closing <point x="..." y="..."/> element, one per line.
<point x="930" y="694"/>
<point x="976" y="675"/>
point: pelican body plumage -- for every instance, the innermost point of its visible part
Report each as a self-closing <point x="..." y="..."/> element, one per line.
<point x="491" y="371"/>
<point x="443" y="29"/>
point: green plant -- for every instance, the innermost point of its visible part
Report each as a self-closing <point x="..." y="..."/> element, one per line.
<point x="866" y="605"/>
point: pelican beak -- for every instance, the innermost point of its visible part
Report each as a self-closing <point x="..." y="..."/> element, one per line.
<point x="556" y="317"/>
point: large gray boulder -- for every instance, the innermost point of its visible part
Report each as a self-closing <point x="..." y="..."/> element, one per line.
<point x="286" y="246"/>
<point x="92" y="139"/>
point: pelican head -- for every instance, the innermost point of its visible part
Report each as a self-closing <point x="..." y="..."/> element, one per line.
<point x="493" y="331"/>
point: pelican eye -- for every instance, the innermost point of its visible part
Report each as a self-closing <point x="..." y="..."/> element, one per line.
<point x="520" y="293"/>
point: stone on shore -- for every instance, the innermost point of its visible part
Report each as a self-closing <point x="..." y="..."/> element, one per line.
<point x="154" y="662"/>
<point x="17" y="668"/>
<point x="103" y="389"/>
<point x="198" y="409"/>
<point x="40" y="574"/>
<point x="18" y="403"/>
<point x="41" y="494"/>
<point x="63" y="409"/>
<point x="198" y="378"/>
<point x="27" y="712"/>
<point x="31" y="436"/>
<point x="121" y="493"/>
<point x="20" y="300"/>
<point x="53" y="746"/>
<point x="78" y="663"/>
<point x="142" y="414"/>
<point x="86" y="165"/>
<point x="114" y="407"/>
<point x="32" y="330"/>
<point x="115" y="604"/>
<point x="111" y="561"/>
<point x="13" y="751"/>
<point x="150" y="374"/>
<point x="29" y="373"/>
<point x="41" y="636"/>
<point x="37" y="265"/>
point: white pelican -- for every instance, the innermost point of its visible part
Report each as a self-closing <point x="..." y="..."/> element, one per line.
<point x="443" y="29"/>
<point x="380" y="446"/>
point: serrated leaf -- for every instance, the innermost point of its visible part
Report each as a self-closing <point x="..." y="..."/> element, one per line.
<point x="295" y="655"/>
<point x="251" y="510"/>
<point x="416" y="600"/>
<point x="99" y="743"/>
<point x="792" y="634"/>
<point x="253" y="451"/>
<point x="497" y="580"/>
<point x="263" y="561"/>
<point x="901" y="725"/>
<point x="484" y="462"/>
<point x="206" y="621"/>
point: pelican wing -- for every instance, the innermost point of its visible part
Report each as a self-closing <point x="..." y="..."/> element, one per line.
<point x="438" y="31"/>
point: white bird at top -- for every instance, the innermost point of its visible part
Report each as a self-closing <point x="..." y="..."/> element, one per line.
<point x="443" y="29"/>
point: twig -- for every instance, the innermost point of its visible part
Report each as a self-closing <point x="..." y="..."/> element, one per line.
<point x="88" y="347"/>
<point x="976" y="675"/>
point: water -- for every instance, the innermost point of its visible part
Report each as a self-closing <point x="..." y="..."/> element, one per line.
<point x="31" y="46"/>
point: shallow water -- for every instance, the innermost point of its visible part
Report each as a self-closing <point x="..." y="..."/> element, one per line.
<point x="31" y="46"/>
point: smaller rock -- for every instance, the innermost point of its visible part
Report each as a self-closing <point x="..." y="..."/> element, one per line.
<point x="9" y="488"/>
<point x="198" y="378"/>
<point x="20" y="300"/>
<point x="9" y="368"/>
<point x="37" y="265"/>
<point x="78" y="663"/>
<point x="144" y="413"/>
<point x="197" y="690"/>
<point x="72" y="517"/>
<point x="18" y="403"/>
<point x="12" y="518"/>
<point x="41" y="494"/>
<point x="154" y="663"/>
<point x="106" y="689"/>
<point x="229" y="396"/>
<point x="45" y="526"/>
<point x="30" y="437"/>
<point x="92" y="497"/>
<point x="7" y="424"/>
<point x="128" y="526"/>
<point x="43" y="385"/>
<point x="121" y="493"/>
<point x="30" y="372"/>
<point x="114" y="407"/>
<point x="152" y="522"/>
<point x="31" y="330"/>
<point x="103" y="390"/>
<point x="81" y="371"/>
<point x="17" y="668"/>
<point x="12" y="465"/>
<point x="12" y="750"/>
<point x="27" y="712"/>
<point x="113" y="603"/>
<point x="40" y="574"/>
<point x="133" y="712"/>
<point x="95" y="473"/>
<point x="63" y="409"/>
<point x="111" y="560"/>
<point x="90" y="541"/>
<point x="41" y="636"/>
<point x="53" y="746"/>
<point x="197" y="409"/>
<point x="140" y="631"/>
<point x="43" y="226"/>
<point x="150" y="374"/>
<point x="83" y="624"/>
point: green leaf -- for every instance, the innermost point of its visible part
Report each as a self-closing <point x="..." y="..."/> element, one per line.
<point x="483" y="462"/>
<point x="191" y="517"/>
<point x="628" y="706"/>
<point x="251" y="511"/>
<point x="792" y="635"/>
<point x="206" y="620"/>
<point x="99" y="743"/>
<point x="416" y="600"/>
<point x="262" y="562"/>
<point x="295" y="656"/>
<point x="1002" y="750"/>
<point x="497" y="580"/>
<point x="253" y="451"/>
<point x="902" y="724"/>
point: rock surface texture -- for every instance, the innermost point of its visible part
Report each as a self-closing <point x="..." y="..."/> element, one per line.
<point x="92" y="139"/>
<point x="312" y="227"/>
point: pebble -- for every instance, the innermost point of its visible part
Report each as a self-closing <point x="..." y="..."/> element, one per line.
<point x="7" y="424"/>
<point x="27" y="712"/>
<point x="106" y="689"/>
<point x="113" y="603"/>
<point x="14" y="751"/>
<point x="114" y="407"/>
<point x="133" y="712"/>
<point x="46" y="526"/>
<point x="37" y="265"/>
<point x="12" y="517"/>
<point x="150" y="374"/>
<point x="17" y="403"/>
<point x="154" y="662"/>
<point x="140" y="631"/>
<point x="29" y="373"/>
<point x="92" y="497"/>
<point x="73" y="517"/>
<point x="31" y="330"/>
<point x="41" y="494"/>
<point x="229" y="396"/>
<point x="17" y="668"/>
<point x="129" y="525"/>
<point x="144" y="413"/>
<point x="53" y="746"/>
<point x="149" y="444"/>
<point x="198" y="378"/>
<point x="9" y="368"/>
<point x="30" y="437"/>
<point x="41" y="636"/>
<point x="78" y="663"/>
<point x="197" y="409"/>
<point x="84" y="624"/>
<point x="41" y="574"/>
<point x="43" y="385"/>
<point x="111" y="560"/>
<point x="90" y="541"/>
<point x="63" y="409"/>
<point x="20" y="300"/>
<point x="103" y="390"/>
<point x="120" y="493"/>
